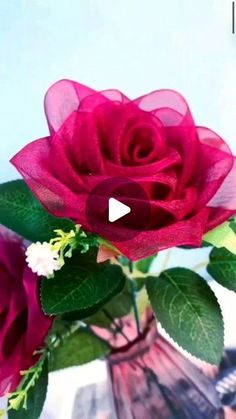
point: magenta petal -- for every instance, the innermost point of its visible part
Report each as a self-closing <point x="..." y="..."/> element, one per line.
<point x="40" y="177"/>
<point x="188" y="173"/>
<point x="61" y="99"/>
<point x="217" y="167"/>
<point x="188" y="232"/>
<point x="225" y="196"/>
<point x="35" y="315"/>
<point x="20" y="315"/>
<point x="170" y="104"/>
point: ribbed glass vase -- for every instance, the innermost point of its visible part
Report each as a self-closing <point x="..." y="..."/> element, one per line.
<point x="152" y="380"/>
<point x="147" y="379"/>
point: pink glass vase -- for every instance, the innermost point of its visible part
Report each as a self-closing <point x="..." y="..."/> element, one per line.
<point x="152" y="380"/>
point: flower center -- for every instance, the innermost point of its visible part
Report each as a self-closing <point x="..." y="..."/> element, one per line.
<point x="142" y="144"/>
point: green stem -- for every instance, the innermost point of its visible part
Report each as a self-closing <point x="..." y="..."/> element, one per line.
<point x="118" y="328"/>
<point x="131" y="266"/>
<point x="18" y="398"/>
<point x="133" y="295"/>
<point x="92" y="333"/>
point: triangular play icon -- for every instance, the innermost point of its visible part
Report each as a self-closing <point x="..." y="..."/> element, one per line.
<point x="117" y="210"/>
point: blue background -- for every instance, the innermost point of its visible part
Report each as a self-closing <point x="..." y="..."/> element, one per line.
<point x="135" y="46"/>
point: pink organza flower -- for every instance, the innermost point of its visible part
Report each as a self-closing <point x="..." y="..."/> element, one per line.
<point x="23" y="326"/>
<point x="187" y="172"/>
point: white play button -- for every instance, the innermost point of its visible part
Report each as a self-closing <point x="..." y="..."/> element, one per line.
<point x="117" y="210"/>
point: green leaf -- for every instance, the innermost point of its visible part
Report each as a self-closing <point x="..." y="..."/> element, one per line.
<point x="21" y="212"/>
<point x="119" y="306"/>
<point x="35" y="399"/>
<point x="79" y="348"/>
<point x="139" y="283"/>
<point x="222" y="267"/>
<point x="204" y="244"/>
<point x="81" y="288"/>
<point x="144" y="264"/>
<point x="189" y="311"/>
<point x="222" y="236"/>
<point x="232" y="225"/>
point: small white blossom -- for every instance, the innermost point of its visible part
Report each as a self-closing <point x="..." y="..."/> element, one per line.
<point x="42" y="259"/>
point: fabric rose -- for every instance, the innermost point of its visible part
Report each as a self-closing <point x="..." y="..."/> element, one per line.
<point x="23" y="326"/>
<point x="187" y="172"/>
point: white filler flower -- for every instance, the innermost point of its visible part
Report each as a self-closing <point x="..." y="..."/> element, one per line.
<point x="42" y="259"/>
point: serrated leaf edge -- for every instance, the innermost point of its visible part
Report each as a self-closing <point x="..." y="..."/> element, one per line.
<point x="172" y="339"/>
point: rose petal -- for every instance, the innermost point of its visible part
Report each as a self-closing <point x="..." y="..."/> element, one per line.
<point x="20" y="313"/>
<point x="61" y="99"/>
<point x="187" y="232"/>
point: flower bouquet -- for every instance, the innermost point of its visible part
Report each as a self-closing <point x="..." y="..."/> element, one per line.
<point x="71" y="272"/>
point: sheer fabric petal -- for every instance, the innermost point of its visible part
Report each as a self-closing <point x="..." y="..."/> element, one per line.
<point x="188" y="172"/>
